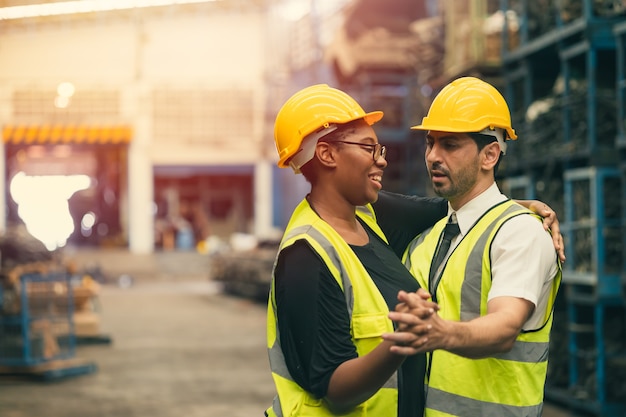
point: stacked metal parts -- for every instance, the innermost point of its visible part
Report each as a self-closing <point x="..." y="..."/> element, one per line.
<point x="566" y="83"/>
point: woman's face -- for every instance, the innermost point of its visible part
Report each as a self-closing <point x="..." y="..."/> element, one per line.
<point x="358" y="176"/>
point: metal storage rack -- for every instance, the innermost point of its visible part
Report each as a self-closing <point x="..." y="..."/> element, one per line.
<point x="521" y="188"/>
<point x="576" y="147"/>
<point x="39" y="327"/>
<point x="619" y="30"/>
<point x="594" y="288"/>
<point x="37" y="335"/>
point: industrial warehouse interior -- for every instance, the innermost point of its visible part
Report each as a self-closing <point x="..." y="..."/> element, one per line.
<point x="143" y="205"/>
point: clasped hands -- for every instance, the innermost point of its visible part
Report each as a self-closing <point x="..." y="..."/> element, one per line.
<point x="418" y="326"/>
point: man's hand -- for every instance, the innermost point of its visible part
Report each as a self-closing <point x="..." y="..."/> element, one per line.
<point x="496" y="332"/>
<point x="413" y="317"/>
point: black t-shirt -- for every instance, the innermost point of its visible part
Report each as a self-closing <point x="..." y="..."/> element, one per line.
<point x="313" y="319"/>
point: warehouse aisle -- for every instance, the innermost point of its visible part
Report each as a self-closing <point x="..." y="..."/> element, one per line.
<point x="178" y="349"/>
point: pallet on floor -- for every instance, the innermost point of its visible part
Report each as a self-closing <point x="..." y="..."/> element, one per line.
<point x="50" y="370"/>
<point x="101" y="339"/>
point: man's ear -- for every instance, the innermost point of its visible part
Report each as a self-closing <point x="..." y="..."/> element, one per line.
<point x="491" y="154"/>
<point x="326" y="154"/>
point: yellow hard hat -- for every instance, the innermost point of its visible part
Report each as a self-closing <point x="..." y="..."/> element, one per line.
<point x="310" y="114"/>
<point x="468" y="105"/>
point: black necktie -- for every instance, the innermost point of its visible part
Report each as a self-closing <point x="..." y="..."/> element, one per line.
<point x="450" y="231"/>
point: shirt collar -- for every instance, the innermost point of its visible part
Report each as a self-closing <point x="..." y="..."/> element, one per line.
<point x="473" y="209"/>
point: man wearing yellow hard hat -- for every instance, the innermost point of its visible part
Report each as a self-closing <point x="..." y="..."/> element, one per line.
<point x="497" y="281"/>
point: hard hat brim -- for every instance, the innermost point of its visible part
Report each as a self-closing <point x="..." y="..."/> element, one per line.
<point x="370" y="118"/>
<point x="510" y="132"/>
<point x="373" y="117"/>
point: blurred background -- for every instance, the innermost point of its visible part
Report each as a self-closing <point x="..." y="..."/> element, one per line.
<point x="138" y="152"/>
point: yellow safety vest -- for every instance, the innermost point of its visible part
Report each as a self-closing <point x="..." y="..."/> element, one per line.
<point x="507" y="384"/>
<point x="366" y="306"/>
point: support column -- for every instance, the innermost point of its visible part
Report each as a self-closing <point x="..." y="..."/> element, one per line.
<point x="263" y="199"/>
<point x="140" y="201"/>
<point x="140" y="195"/>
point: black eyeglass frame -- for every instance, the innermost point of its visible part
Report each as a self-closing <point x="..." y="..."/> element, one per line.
<point x="375" y="148"/>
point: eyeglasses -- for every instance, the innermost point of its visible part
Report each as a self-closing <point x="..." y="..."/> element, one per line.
<point x="376" y="149"/>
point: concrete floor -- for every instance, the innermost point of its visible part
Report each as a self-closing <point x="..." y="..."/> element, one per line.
<point x="179" y="348"/>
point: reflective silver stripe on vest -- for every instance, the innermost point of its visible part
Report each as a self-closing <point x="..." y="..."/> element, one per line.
<point x="279" y="365"/>
<point x="334" y="257"/>
<point x="446" y="402"/>
<point x="276" y="407"/>
<point x="415" y="243"/>
<point x="531" y="352"/>
<point x="470" y="290"/>
<point x="277" y="359"/>
<point x="365" y="211"/>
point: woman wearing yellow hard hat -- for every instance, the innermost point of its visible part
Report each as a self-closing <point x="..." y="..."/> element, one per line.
<point x="338" y="271"/>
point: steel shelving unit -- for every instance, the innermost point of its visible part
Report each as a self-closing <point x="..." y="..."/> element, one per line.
<point x="37" y="334"/>
<point x="619" y="30"/>
<point x="566" y="85"/>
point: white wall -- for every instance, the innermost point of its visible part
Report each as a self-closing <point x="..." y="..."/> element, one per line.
<point x="211" y="49"/>
<point x="137" y="55"/>
<point x="101" y="52"/>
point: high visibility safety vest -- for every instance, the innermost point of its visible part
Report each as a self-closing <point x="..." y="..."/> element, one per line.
<point x="366" y="306"/>
<point x="507" y="384"/>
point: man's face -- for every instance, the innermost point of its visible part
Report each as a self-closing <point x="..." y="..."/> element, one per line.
<point x="452" y="160"/>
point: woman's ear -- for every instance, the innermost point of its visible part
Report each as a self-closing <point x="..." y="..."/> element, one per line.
<point x="326" y="154"/>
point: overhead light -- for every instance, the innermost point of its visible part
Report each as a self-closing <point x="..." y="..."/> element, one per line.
<point x="66" y="89"/>
<point x="294" y="10"/>
<point x="84" y="6"/>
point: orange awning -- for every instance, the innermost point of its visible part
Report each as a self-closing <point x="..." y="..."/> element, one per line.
<point x="70" y="134"/>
